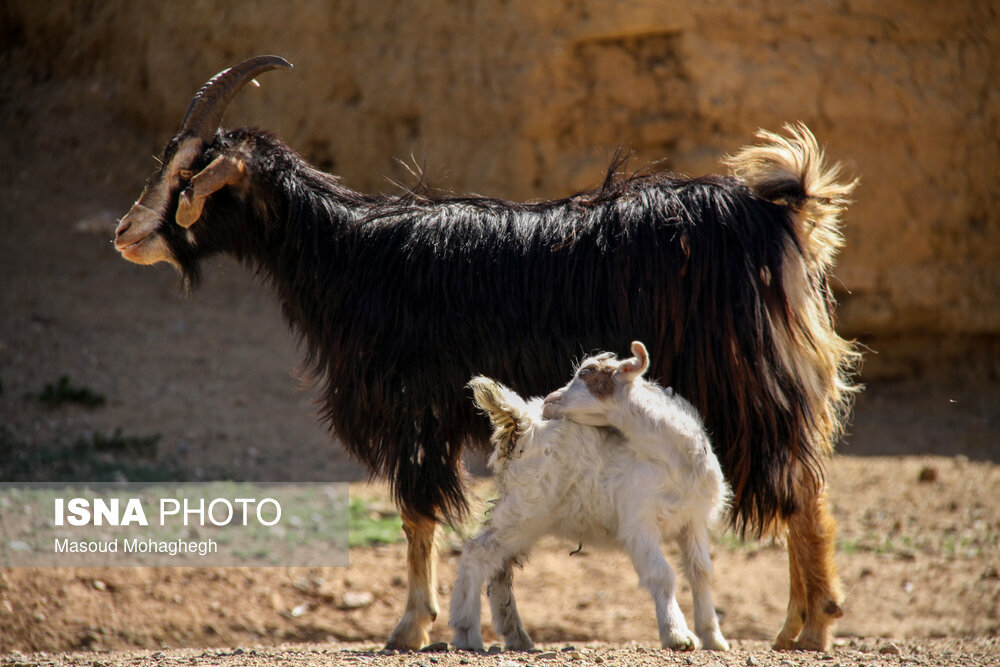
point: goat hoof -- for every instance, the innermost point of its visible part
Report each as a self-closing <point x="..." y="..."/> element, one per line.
<point x="408" y="638"/>
<point x="682" y="641"/>
<point x="714" y="642"/>
<point x="813" y="641"/>
<point x="522" y="642"/>
<point x="463" y="642"/>
<point x="783" y="643"/>
<point x="801" y="644"/>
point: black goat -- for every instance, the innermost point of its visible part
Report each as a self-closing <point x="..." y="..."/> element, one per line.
<point x="399" y="301"/>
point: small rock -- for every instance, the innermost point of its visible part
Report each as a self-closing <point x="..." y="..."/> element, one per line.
<point x="157" y="655"/>
<point x="889" y="649"/>
<point x="298" y="610"/>
<point x="928" y="474"/>
<point x="436" y="647"/>
<point x="751" y="661"/>
<point x="496" y="649"/>
<point x="356" y="600"/>
<point x="463" y="661"/>
<point x="568" y="648"/>
<point x="547" y="655"/>
<point x="100" y="585"/>
<point x="238" y="651"/>
<point x="598" y="659"/>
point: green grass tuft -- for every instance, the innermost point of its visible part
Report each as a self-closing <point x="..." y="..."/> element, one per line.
<point x="369" y="527"/>
<point x="98" y="457"/>
<point x="61" y="392"/>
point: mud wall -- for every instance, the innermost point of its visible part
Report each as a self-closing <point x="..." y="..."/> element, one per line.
<point x="525" y="99"/>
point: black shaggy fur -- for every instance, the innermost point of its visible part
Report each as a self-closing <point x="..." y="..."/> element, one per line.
<point x="400" y="301"/>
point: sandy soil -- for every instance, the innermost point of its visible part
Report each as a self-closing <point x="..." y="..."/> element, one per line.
<point x="915" y="491"/>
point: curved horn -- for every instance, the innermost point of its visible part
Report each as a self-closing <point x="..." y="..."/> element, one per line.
<point x="204" y="114"/>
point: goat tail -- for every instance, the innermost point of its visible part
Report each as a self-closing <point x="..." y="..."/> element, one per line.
<point x="791" y="170"/>
<point x="507" y="412"/>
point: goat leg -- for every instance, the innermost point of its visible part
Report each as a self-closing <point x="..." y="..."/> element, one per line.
<point x="815" y="596"/>
<point x="506" y="618"/>
<point x="697" y="561"/>
<point x="413" y="630"/>
<point x="656" y="575"/>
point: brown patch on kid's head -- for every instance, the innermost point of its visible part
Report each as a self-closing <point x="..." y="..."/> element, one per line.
<point x="599" y="378"/>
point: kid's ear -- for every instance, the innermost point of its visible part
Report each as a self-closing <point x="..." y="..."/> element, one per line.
<point x="636" y="366"/>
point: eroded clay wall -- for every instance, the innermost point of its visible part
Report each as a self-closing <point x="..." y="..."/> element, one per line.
<point x="528" y="98"/>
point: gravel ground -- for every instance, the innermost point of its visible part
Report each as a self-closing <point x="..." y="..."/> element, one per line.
<point x="874" y="653"/>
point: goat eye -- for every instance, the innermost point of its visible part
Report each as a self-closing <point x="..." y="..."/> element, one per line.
<point x="185" y="174"/>
<point x="585" y="371"/>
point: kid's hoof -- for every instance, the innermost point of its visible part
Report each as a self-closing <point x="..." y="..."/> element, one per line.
<point x="683" y="641"/>
<point x="715" y="642"/>
<point x="464" y="642"/>
<point x="522" y="642"/>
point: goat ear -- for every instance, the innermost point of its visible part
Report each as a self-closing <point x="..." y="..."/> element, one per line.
<point x="637" y="365"/>
<point x="223" y="170"/>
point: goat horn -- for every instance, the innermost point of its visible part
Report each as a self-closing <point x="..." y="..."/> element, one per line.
<point x="204" y="114"/>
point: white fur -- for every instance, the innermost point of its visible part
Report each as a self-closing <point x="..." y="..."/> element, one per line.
<point x="645" y="471"/>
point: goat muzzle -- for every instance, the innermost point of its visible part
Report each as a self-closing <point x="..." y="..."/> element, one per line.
<point x="135" y="227"/>
<point x="550" y="407"/>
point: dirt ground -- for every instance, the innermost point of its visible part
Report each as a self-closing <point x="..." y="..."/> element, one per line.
<point x="918" y="556"/>
<point x="915" y="489"/>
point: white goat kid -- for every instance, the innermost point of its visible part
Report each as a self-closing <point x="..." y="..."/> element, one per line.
<point x="610" y="458"/>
